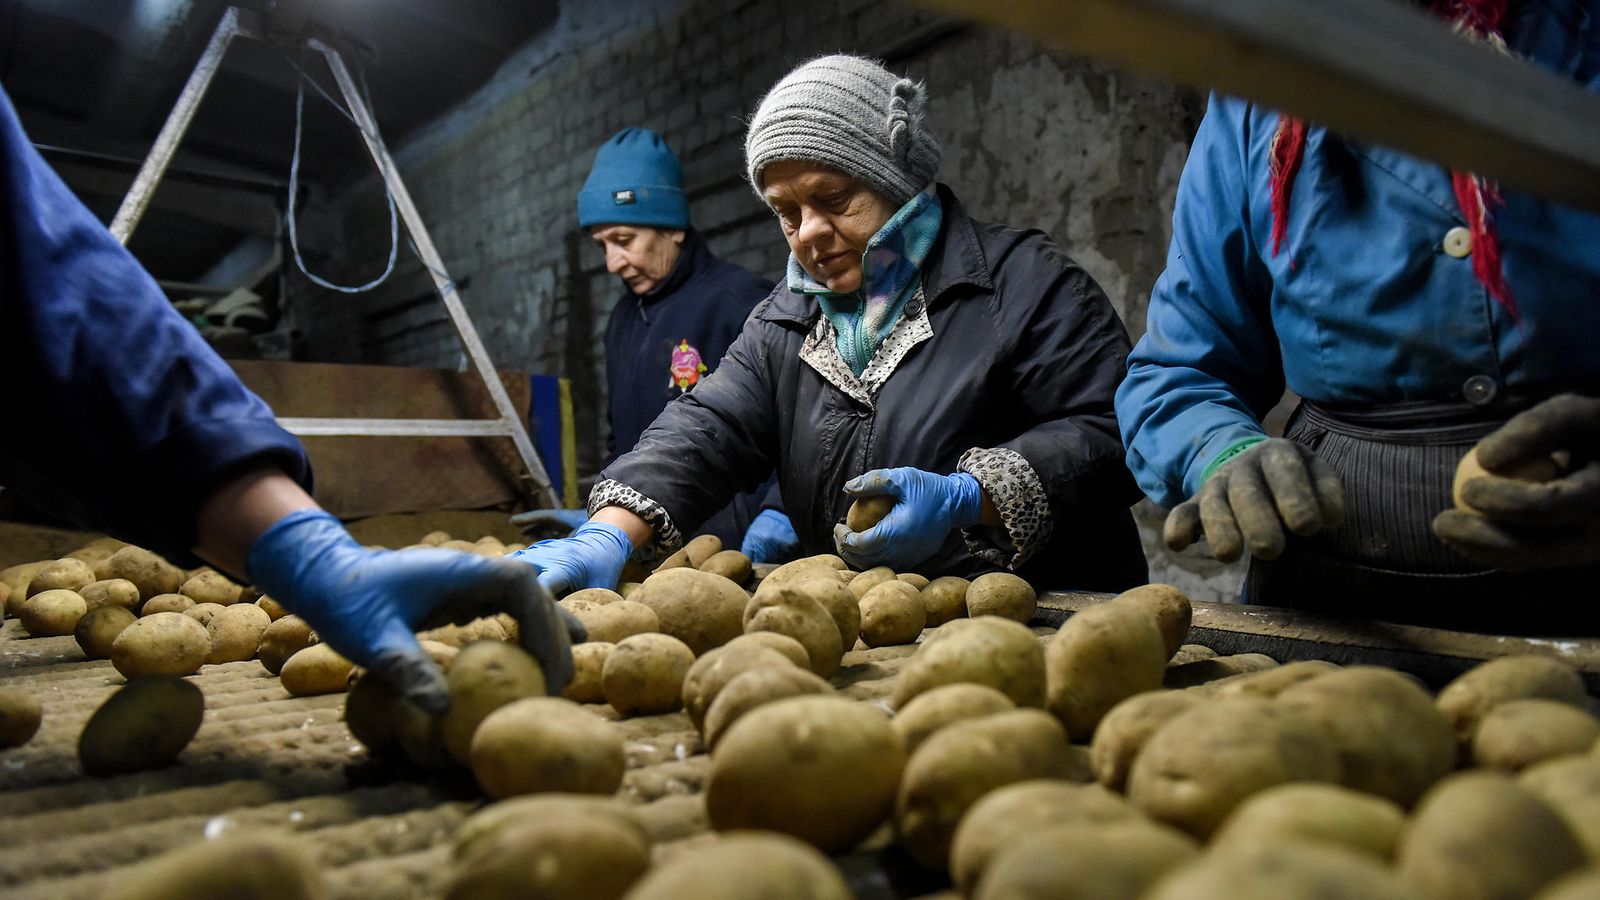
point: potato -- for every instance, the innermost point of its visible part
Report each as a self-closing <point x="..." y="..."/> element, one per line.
<point x="54" y="612"/>
<point x="588" y="662"/>
<point x="283" y="639"/>
<point x="485" y="676"/>
<point x="892" y="613"/>
<point x="20" y="715"/>
<point x="1571" y="785"/>
<point x="698" y="608"/>
<point x="712" y="672"/>
<point x="945" y="598"/>
<point x="745" y="867"/>
<point x="617" y="620"/>
<point x="1481" y="835"/>
<point x="756" y="688"/>
<point x="110" y="592"/>
<point x="702" y="548"/>
<point x="644" y="674"/>
<point x="822" y="769"/>
<point x="959" y="764"/>
<point x="1271" y="682"/>
<point x="912" y="578"/>
<point x="271" y="607"/>
<point x="97" y="550"/>
<point x="1389" y="738"/>
<point x="490" y="546"/>
<point x="243" y="866"/>
<point x="1100" y="657"/>
<point x="163" y="603"/>
<point x="577" y="856"/>
<point x="61" y="575"/>
<point x="868" y="511"/>
<point x="932" y="710"/>
<point x="547" y="744"/>
<point x="1215" y="668"/>
<point x="1537" y="470"/>
<point x="1519" y="733"/>
<point x="1317" y="813"/>
<point x="1124" y="731"/>
<point x="144" y="725"/>
<point x="151" y="574"/>
<point x="458" y="545"/>
<point x="236" y="632"/>
<point x="1191" y="653"/>
<point x="594" y="596"/>
<point x="788" y="646"/>
<point x="1583" y="884"/>
<point x="166" y="643"/>
<point x="16" y="579"/>
<point x="823" y="566"/>
<point x="481" y="829"/>
<point x="98" y="629"/>
<point x="995" y="652"/>
<point x="870" y="579"/>
<point x="318" y="669"/>
<point x="1465" y="700"/>
<point x="626" y="589"/>
<point x="837" y="598"/>
<point x="1168" y="606"/>
<point x="204" y="612"/>
<point x="1281" y="869"/>
<point x="1002" y="594"/>
<point x="1116" y="861"/>
<point x="791" y="611"/>
<point x="434" y="538"/>
<point x="1204" y="762"/>
<point x="730" y="564"/>
<point x="1007" y="815"/>
<point x="369" y="713"/>
<point x="211" y="587"/>
<point x="485" y="629"/>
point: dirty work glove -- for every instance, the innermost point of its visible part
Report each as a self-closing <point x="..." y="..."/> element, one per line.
<point x="592" y="557"/>
<point x="545" y="520"/>
<point x="929" y="508"/>
<point x="367" y="604"/>
<point x="1534" y="525"/>
<point x="770" y="538"/>
<point x="1246" y="502"/>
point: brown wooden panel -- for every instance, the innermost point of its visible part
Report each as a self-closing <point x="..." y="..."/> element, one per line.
<point x="364" y="476"/>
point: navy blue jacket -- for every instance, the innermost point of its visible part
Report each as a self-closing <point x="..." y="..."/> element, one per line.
<point x="122" y="418"/>
<point x="659" y="346"/>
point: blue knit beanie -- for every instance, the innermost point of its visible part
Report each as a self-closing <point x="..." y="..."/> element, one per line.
<point x="636" y="180"/>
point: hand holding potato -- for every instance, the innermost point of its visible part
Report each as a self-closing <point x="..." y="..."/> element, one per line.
<point x="367" y="604"/>
<point x="1517" y="524"/>
<point x="1247" y="502"/>
<point x="928" y="508"/>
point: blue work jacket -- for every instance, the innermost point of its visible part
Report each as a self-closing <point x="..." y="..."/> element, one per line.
<point x="1365" y="304"/>
<point x="119" y="416"/>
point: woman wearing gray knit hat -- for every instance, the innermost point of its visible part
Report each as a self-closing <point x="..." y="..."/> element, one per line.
<point x="964" y="369"/>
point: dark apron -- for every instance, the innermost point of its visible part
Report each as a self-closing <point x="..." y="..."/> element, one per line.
<point x="1384" y="562"/>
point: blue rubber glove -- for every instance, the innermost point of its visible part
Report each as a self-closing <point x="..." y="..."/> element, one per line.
<point x="930" y="506"/>
<point x="548" y="520"/>
<point x="770" y="538"/>
<point x="367" y="604"/>
<point x="592" y="557"/>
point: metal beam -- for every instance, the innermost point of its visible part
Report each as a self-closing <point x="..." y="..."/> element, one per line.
<point x="313" y="427"/>
<point x="1378" y="70"/>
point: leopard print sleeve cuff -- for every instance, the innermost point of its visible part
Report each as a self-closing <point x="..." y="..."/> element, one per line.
<point x="1017" y="492"/>
<point x="615" y="493"/>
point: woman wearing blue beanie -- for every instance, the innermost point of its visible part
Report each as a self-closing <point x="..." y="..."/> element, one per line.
<point x="965" y="369"/>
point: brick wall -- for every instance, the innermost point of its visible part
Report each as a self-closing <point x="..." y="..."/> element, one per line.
<point x="1031" y="138"/>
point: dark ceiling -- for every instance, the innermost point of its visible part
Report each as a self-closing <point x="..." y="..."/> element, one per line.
<point x="94" y="80"/>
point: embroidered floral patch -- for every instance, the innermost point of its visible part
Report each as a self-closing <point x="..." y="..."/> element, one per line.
<point x="687" y="366"/>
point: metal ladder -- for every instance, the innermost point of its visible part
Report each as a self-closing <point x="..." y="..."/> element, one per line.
<point x="237" y="23"/>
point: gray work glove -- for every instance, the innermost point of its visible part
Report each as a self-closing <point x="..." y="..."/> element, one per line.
<point x="1525" y="525"/>
<point x="1250" y="499"/>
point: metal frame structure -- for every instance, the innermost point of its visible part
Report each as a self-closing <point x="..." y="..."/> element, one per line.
<point x="237" y="23"/>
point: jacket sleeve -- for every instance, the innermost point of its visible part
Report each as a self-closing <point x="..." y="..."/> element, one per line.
<point x="1208" y="368"/>
<point x="1065" y="353"/>
<point x="712" y="443"/>
<point x="123" y="419"/>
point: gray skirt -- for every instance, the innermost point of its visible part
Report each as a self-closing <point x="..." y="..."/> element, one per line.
<point x="1384" y="562"/>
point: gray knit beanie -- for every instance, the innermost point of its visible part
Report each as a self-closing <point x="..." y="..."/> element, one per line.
<point x="850" y="114"/>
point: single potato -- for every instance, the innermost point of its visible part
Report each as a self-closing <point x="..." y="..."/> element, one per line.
<point x="482" y="829"/>
<point x="945" y="599"/>
<point x="144" y="725"/>
<point x="1006" y="816"/>
<point x="1002" y="594"/>
<point x="485" y="676"/>
<point x="1571" y="785"/>
<point x="162" y="603"/>
<point x="1081" y="861"/>
<point x="711" y="673"/>
<point x="1536" y="470"/>
<point x="756" y="688"/>
<point x="868" y="511"/>
<point x="1100" y="657"/>
<point x="870" y="579"/>
<point x="211" y="587"/>
<point x="52" y="613"/>
<point x="588" y="664"/>
<point x="282" y="639"/>
<point x="1271" y="682"/>
<point x="1125" y="730"/>
<point x="617" y="620"/>
<point x="698" y="608"/>
<point x="61" y="575"/>
<point x="20" y="715"/>
<point x="111" y="592"/>
<point x="1520" y="733"/>
<point x="840" y="602"/>
<point x="1317" y="813"/>
<point x="892" y="613"/>
<point x="744" y="867"/>
<point x="318" y="669"/>
<point x="702" y="548"/>
<point x="989" y="651"/>
<point x="166" y="643"/>
<point x="912" y="578"/>
<point x="1282" y="869"/>
<point x="934" y="709"/>
<point x="823" y="566"/>
<point x="1168" y="606"/>
<point x="271" y="607"/>
<point x="243" y="866"/>
<point x="204" y="612"/>
<point x="98" y="630"/>
<point x="151" y="574"/>
<point x="1202" y="672"/>
<point x="643" y="674"/>
<point x="791" y="611"/>
<point x="236" y="632"/>
<point x="576" y="857"/>
<point x="730" y="564"/>
<point x="547" y="744"/>
<point x="788" y="646"/>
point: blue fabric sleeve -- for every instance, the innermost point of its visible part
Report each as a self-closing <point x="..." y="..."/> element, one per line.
<point x="1208" y="368"/>
<point x="119" y="416"/>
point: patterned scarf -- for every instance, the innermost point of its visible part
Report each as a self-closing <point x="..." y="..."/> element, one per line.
<point x="890" y="276"/>
<point x="1478" y="20"/>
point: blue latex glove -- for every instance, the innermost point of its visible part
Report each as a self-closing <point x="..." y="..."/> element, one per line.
<point x="550" y="520"/>
<point x="367" y="604"/>
<point x="770" y="538"/>
<point x="592" y="557"/>
<point x="930" y="506"/>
